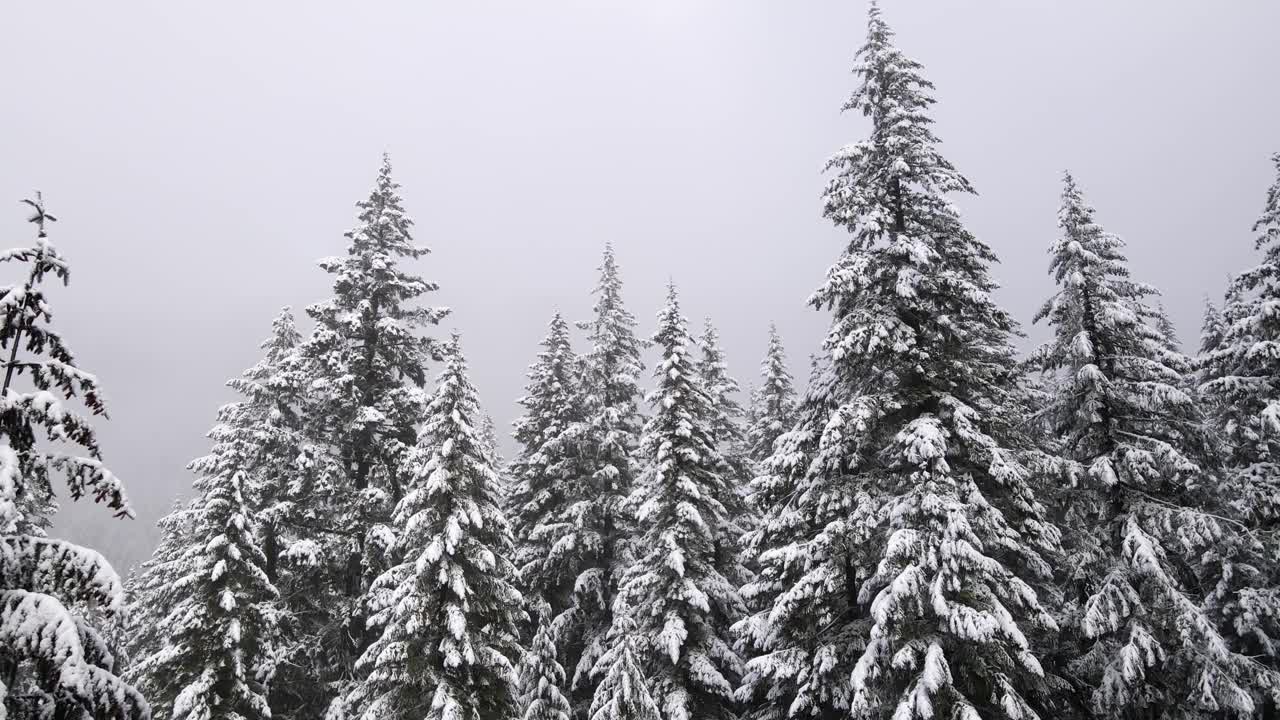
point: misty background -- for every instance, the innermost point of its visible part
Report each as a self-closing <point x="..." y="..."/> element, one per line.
<point x="201" y="157"/>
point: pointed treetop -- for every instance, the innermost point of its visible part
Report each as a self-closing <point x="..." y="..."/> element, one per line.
<point x="609" y="287"/>
<point x="1268" y="223"/>
<point x="774" y="400"/>
<point x="670" y="315"/>
<point x="39" y="216"/>
<point x="454" y="348"/>
<point x="709" y="332"/>
<point x="384" y="182"/>
<point x="284" y="332"/>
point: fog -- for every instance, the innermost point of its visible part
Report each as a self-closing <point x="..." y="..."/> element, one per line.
<point x="201" y="157"/>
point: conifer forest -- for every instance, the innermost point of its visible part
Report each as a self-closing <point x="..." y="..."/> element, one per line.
<point x="920" y="515"/>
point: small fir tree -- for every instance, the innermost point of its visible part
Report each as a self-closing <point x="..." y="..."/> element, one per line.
<point x="542" y="678"/>
<point x="221" y="624"/>
<point x="549" y="474"/>
<point x="448" y="609"/>
<point x="774" y="401"/>
<point x="726" y="420"/>
<point x="622" y="692"/>
<point x="682" y="590"/>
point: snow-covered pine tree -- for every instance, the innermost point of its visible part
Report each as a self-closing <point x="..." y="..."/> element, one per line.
<point x="791" y="671"/>
<point x="622" y="692"/>
<point x="488" y="430"/>
<point x="252" y="473"/>
<point x="1159" y="319"/>
<point x="489" y="434"/>
<point x="542" y="679"/>
<point x="774" y="401"/>
<point x="1212" y="327"/>
<point x="448" y="609"/>
<point x="1240" y="373"/>
<point x="913" y="541"/>
<point x="750" y="414"/>
<point x="597" y="525"/>
<point x="53" y="660"/>
<point x="1137" y="455"/>
<point x="273" y="390"/>
<point x="366" y="361"/>
<point x="149" y="598"/>
<point x="681" y="591"/>
<point x="221" y="623"/>
<point x="726" y="425"/>
<point x="1216" y="322"/>
<point x="1243" y="372"/>
<point x="549" y="475"/>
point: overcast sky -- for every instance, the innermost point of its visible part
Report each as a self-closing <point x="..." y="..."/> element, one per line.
<point x="201" y="156"/>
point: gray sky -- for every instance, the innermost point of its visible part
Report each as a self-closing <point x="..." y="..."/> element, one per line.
<point x="201" y="156"/>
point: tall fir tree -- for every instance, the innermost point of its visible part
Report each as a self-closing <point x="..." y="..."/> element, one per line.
<point x="550" y="475"/>
<point x="247" y="513"/>
<point x="448" y="609"/>
<point x="366" y="362"/>
<point x="1240" y="373"/>
<point x="274" y="389"/>
<point x="682" y="591"/>
<point x="54" y="661"/>
<point x="774" y="401"/>
<point x="910" y="542"/>
<point x="1137" y="456"/>
<point x="221" y="624"/>
<point x="596" y="527"/>
<point x="1243" y="371"/>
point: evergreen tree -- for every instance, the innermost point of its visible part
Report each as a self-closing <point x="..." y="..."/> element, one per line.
<point x="149" y="593"/>
<point x="1136" y="453"/>
<point x="1212" y="327"/>
<point x="908" y="538"/>
<point x="542" y="679"/>
<point x="221" y="624"/>
<point x="366" y="363"/>
<point x="725" y="423"/>
<point x="550" y="476"/>
<point x="594" y="529"/>
<point x="490" y="443"/>
<point x="1159" y="319"/>
<point x="1240" y="370"/>
<point x="54" y="662"/>
<point x="791" y="670"/>
<point x="448" y="609"/>
<point x="1244" y="370"/>
<point x="623" y="692"/>
<point x="210" y="587"/>
<point x="775" y="401"/>
<point x="273" y="390"/>
<point x="489" y="436"/>
<point x="682" y="589"/>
